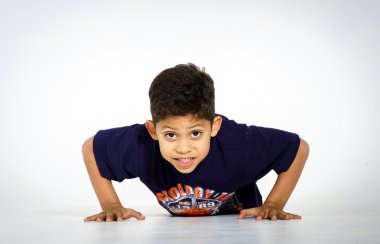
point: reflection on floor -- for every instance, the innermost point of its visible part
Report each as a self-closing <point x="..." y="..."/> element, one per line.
<point x="65" y="225"/>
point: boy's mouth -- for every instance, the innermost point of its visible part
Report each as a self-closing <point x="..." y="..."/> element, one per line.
<point x="184" y="162"/>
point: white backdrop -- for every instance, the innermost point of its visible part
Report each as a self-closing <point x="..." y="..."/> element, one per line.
<point x="70" y="68"/>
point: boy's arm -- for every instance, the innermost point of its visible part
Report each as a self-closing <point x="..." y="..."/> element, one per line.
<point x="281" y="191"/>
<point x="108" y="199"/>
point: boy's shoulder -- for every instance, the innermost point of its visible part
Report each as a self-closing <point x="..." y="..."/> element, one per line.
<point x="231" y="133"/>
<point x="229" y="126"/>
<point x="126" y="136"/>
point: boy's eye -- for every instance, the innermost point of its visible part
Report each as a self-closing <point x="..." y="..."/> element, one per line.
<point x="170" y="135"/>
<point x="196" y="133"/>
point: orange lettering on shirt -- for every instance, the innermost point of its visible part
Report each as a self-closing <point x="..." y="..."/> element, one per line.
<point x="174" y="193"/>
<point x="180" y="189"/>
<point x="228" y="196"/>
<point x="208" y="193"/>
<point x="221" y="196"/>
<point x="189" y="190"/>
<point x="160" y="197"/>
<point x="198" y="192"/>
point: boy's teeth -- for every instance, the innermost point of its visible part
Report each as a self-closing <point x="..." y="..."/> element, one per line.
<point x="184" y="159"/>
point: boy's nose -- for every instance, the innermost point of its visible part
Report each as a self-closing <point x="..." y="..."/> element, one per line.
<point x="183" y="147"/>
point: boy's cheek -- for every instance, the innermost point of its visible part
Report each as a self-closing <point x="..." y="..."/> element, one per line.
<point x="165" y="152"/>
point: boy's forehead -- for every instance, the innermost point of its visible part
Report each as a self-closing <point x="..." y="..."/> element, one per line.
<point x="182" y="122"/>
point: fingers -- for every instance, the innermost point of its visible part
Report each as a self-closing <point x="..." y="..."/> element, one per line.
<point x="138" y="215"/>
<point x="289" y="216"/>
<point x="267" y="213"/>
<point x="115" y="215"/>
<point x="110" y="215"/>
<point x="263" y="214"/>
<point x="272" y="214"/>
<point x="91" y="218"/>
<point x="97" y="217"/>
<point x="251" y="212"/>
<point x="132" y="213"/>
<point x="119" y="216"/>
<point x="100" y="217"/>
<point x="257" y="213"/>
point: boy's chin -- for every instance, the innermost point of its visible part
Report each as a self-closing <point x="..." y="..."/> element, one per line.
<point x="185" y="171"/>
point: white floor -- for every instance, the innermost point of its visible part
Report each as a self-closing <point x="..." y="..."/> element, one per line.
<point x="67" y="69"/>
<point x="334" y="222"/>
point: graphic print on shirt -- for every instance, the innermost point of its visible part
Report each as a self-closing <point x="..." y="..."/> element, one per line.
<point x="190" y="201"/>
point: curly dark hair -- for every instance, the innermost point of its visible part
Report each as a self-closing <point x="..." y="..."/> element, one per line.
<point x="181" y="90"/>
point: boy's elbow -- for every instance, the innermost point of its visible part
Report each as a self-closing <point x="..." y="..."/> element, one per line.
<point x="87" y="147"/>
<point x="304" y="149"/>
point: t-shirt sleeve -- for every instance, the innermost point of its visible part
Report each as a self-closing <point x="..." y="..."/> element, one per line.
<point x="115" y="152"/>
<point x="270" y="149"/>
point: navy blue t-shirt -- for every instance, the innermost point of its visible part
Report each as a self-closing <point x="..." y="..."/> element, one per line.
<point x="224" y="182"/>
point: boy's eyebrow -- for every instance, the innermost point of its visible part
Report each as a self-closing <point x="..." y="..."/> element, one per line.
<point x="191" y="127"/>
<point x="196" y="125"/>
<point x="167" y="127"/>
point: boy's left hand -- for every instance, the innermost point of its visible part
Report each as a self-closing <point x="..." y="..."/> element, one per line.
<point x="267" y="211"/>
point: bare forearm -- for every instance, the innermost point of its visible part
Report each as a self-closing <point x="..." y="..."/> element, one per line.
<point x="287" y="181"/>
<point x="103" y="187"/>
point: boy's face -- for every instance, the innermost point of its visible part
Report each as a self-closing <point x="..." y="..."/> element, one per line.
<point x="184" y="140"/>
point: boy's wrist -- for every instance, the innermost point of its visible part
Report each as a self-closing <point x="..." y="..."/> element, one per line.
<point x="111" y="205"/>
<point x="274" y="204"/>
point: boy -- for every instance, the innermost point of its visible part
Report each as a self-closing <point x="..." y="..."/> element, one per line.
<point x="194" y="161"/>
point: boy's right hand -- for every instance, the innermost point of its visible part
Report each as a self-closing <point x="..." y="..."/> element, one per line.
<point x="118" y="213"/>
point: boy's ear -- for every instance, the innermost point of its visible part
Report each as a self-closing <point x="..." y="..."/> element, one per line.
<point x="151" y="129"/>
<point x="216" y="124"/>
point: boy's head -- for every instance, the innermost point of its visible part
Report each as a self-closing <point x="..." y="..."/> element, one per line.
<point x="182" y="101"/>
<point x="181" y="90"/>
